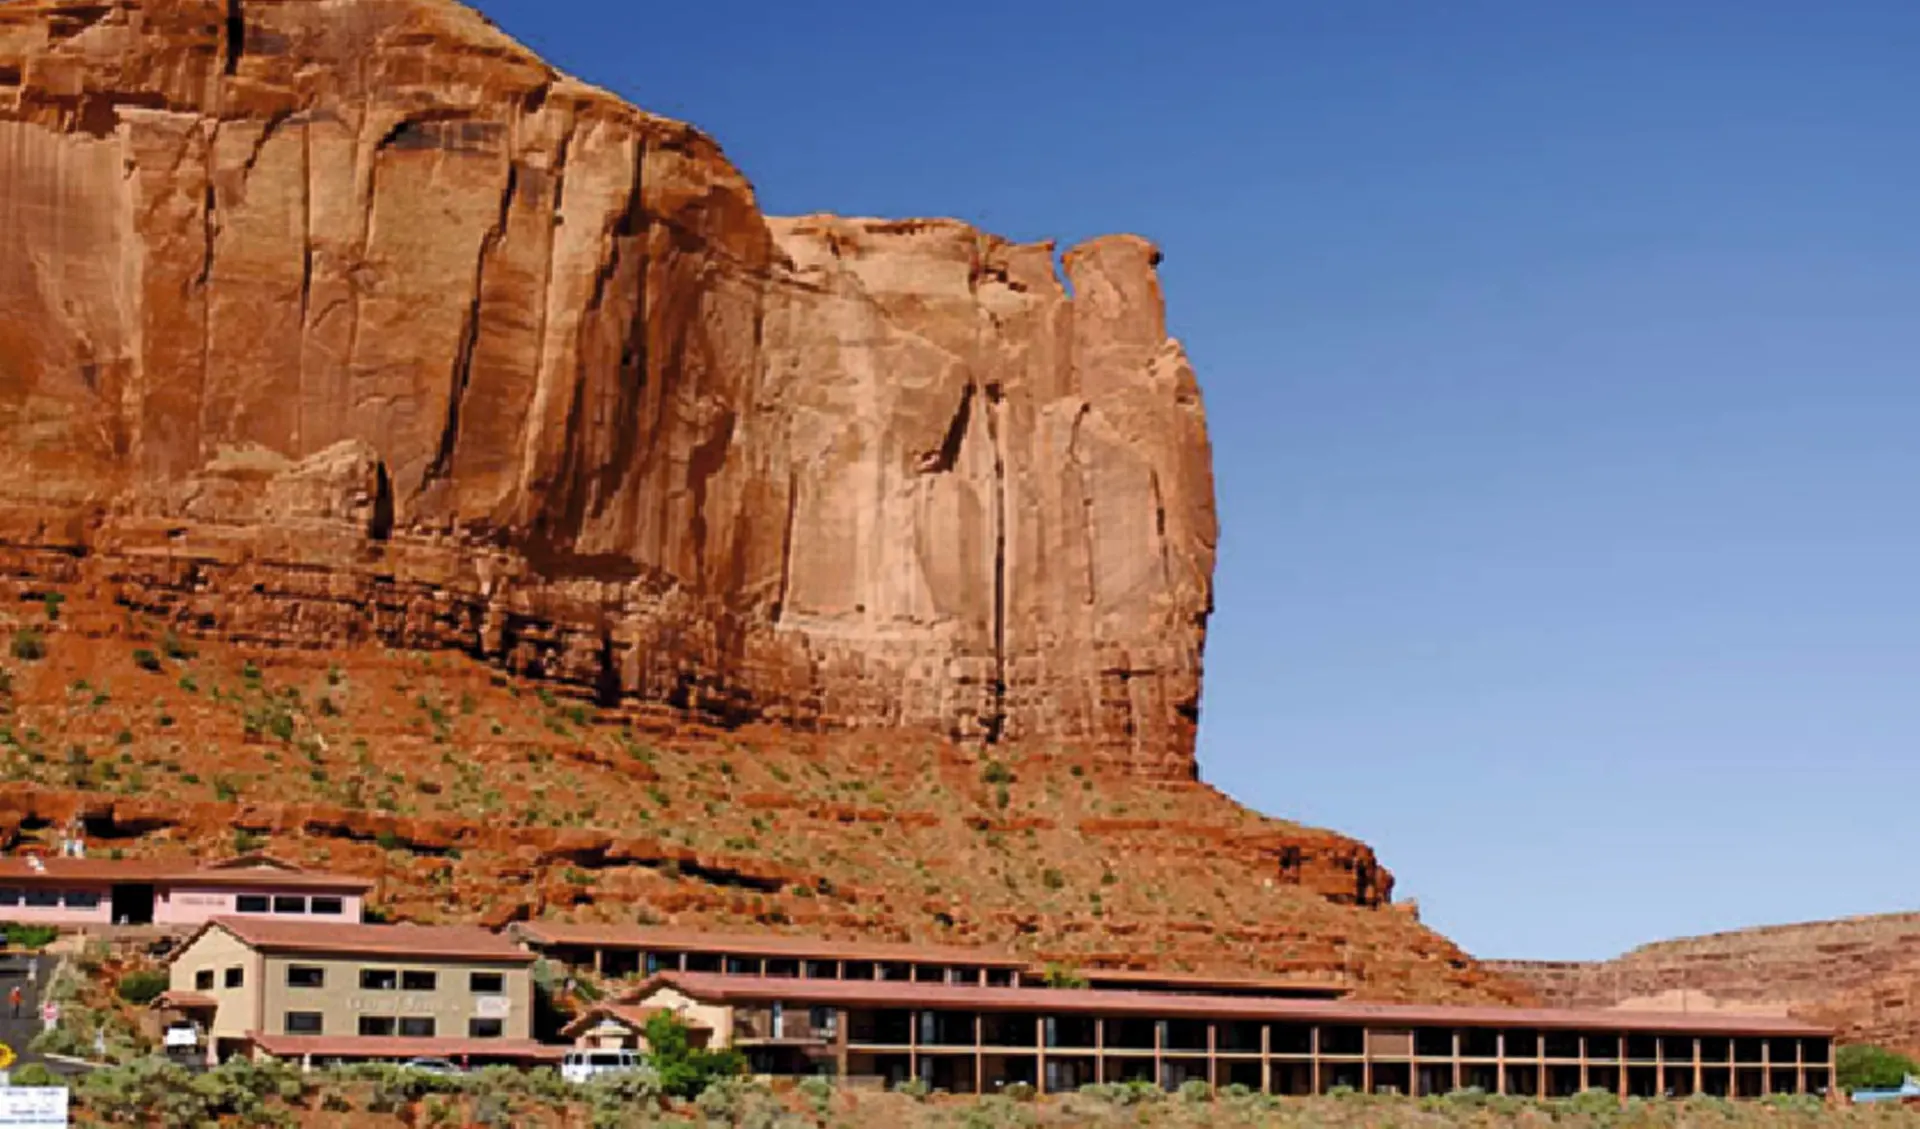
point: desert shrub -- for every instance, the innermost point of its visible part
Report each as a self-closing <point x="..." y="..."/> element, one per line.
<point x="1123" y="1093"/>
<point x="1060" y="976"/>
<point x="156" y="1092"/>
<point x="996" y="773"/>
<point x="142" y="987"/>
<point x="1195" y="1092"/>
<point x="1020" y="1092"/>
<point x="29" y="645"/>
<point x="174" y="647"/>
<point x="146" y="660"/>
<point x="914" y="1088"/>
<point x="35" y="1074"/>
<point x="818" y="1091"/>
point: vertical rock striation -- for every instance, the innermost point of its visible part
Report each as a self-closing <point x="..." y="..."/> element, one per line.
<point x="324" y="321"/>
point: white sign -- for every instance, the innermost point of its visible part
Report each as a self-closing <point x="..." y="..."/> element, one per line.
<point x="33" y="1107"/>
<point x="493" y="1007"/>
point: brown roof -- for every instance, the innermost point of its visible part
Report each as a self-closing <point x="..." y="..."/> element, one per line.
<point x="633" y="1015"/>
<point x="19" y="870"/>
<point x="401" y="1047"/>
<point x="186" y="1001"/>
<point x="650" y="937"/>
<point x="1201" y="980"/>
<point x="714" y="988"/>
<point x="409" y="942"/>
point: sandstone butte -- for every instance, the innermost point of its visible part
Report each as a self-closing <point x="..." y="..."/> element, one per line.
<point x="338" y="329"/>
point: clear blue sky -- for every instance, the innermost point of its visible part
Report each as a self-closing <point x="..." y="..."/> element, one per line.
<point x="1561" y="363"/>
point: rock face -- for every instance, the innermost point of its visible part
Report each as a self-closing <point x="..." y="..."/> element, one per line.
<point x="327" y="321"/>
<point x="1861" y="975"/>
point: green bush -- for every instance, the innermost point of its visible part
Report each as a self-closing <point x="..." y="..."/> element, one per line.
<point x="35" y="937"/>
<point x="35" y="1074"/>
<point x="682" y="1069"/>
<point x="142" y="987"/>
<point x="146" y="660"/>
<point x="1863" y="1067"/>
<point x="29" y="645"/>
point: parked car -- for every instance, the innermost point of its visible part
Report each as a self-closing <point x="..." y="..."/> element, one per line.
<point x="432" y="1066"/>
<point x="583" y="1066"/>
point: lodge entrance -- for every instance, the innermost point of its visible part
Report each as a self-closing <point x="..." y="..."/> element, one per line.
<point x="133" y="905"/>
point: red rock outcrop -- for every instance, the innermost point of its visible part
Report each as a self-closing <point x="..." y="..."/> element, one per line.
<point x="327" y="321"/>
<point x="1861" y="975"/>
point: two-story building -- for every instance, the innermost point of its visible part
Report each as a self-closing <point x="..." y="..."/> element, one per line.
<point x="973" y="1039"/>
<point x="319" y="993"/>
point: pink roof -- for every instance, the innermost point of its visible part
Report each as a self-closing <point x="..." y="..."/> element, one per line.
<point x="406" y="942"/>
<point x="715" y="988"/>
<point x="401" y="1047"/>
<point x="778" y="945"/>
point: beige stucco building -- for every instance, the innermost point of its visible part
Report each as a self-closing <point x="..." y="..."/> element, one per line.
<point x="335" y="992"/>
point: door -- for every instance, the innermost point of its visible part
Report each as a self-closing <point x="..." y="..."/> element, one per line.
<point x="133" y="905"/>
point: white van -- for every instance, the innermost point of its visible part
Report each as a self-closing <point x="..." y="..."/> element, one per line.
<point x="581" y="1066"/>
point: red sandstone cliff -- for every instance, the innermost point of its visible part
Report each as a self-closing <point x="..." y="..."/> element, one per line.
<point x="332" y="320"/>
<point x="329" y="323"/>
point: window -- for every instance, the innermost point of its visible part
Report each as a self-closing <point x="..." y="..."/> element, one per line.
<point x="203" y="980"/>
<point x="252" y="903"/>
<point x="419" y="981"/>
<point x="236" y="977"/>
<point x="43" y="899"/>
<point x="306" y="976"/>
<point x="82" y="899"/>
<point x="417" y="1027"/>
<point x="9" y="895"/>
<point x="376" y="1025"/>
<point x="485" y="1028"/>
<point x="487" y="983"/>
<point x="329" y="907"/>
<point x="658" y="962"/>
<point x="822" y="1020"/>
<point x="303" y="1023"/>
<point x="289" y="903"/>
<point x="379" y="979"/>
